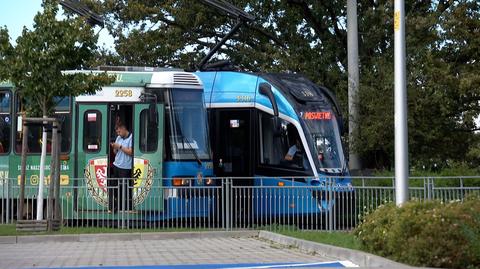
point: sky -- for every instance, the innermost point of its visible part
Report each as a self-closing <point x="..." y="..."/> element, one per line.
<point x="15" y="14"/>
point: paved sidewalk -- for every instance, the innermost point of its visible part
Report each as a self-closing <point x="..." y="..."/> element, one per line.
<point x="221" y="250"/>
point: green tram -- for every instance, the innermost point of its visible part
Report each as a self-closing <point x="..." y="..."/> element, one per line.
<point x="164" y="110"/>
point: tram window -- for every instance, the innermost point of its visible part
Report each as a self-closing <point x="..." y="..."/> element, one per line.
<point x="66" y="121"/>
<point x="34" y="138"/>
<point x="148" y="133"/>
<point x="62" y="112"/>
<point x="279" y="138"/>
<point x="92" y="131"/>
<point x="5" y="102"/>
<point x="62" y="103"/>
<point x="5" y="122"/>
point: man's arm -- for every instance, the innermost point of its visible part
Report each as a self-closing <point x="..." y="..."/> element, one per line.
<point x="128" y="151"/>
<point x="291" y="153"/>
<point x="115" y="146"/>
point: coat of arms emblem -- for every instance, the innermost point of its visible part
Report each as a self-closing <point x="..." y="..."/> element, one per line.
<point x="97" y="183"/>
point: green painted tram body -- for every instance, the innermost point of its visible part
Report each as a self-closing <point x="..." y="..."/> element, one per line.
<point x="84" y="164"/>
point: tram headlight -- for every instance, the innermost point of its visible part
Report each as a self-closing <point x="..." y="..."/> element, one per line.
<point x="181" y="181"/>
<point x="209" y="181"/>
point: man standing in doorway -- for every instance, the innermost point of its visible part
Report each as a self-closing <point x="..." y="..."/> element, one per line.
<point x="121" y="182"/>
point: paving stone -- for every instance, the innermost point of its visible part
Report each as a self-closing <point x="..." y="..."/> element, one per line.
<point x="95" y="252"/>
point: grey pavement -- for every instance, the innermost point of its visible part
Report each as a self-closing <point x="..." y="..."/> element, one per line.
<point x="195" y="250"/>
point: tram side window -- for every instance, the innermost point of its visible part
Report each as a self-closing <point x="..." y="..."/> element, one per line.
<point x="148" y="133"/>
<point x="62" y="112"/>
<point x="5" y="122"/>
<point x="92" y="131"/>
<point x="34" y="138"/>
<point x="280" y="144"/>
<point x="34" y="141"/>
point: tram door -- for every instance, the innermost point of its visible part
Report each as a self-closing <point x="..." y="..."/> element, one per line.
<point x="148" y="157"/>
<point x="232" y="143"/>
<point x="91" y="150"/>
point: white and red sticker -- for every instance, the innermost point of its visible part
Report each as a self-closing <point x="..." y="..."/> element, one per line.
<point x="92" y="117"/>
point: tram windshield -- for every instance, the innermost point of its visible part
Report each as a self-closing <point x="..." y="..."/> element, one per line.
<point x="324" y="138"/>
<point x="188" y="132"/>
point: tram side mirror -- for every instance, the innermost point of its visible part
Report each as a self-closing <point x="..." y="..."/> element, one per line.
<point x="153" y="113"/>
<point x="279" y="129"/>
<point x="266" y="89"/>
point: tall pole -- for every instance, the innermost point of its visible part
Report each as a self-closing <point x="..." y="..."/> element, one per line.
<point x="43" y="156"/>
<point x="401" y="131"/>
<point x="57" y="173"/>
<point x="53" y="165"/>
<point x="23" y="171"/>
<point x="353" y="82"/>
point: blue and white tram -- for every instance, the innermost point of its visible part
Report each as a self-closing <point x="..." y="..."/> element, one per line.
<point x="275" y="132"/>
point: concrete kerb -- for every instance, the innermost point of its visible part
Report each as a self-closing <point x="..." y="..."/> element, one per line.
<point x="123" y="236"/>
<point x="8" y="239"/>
<point x="360" y="258"/>
<point x="190" y="235"/>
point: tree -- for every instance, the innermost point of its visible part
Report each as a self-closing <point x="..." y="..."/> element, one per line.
<point x="35" y="64"/>
<point x="309" y="37"/>
<point x="442" y="82"/>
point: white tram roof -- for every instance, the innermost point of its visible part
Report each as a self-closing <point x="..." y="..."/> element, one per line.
<point x="129" y="86"/>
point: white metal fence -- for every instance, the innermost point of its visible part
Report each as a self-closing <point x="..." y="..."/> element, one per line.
<point x="227" y="203"/>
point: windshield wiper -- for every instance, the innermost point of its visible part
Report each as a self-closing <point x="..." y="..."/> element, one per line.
<point x="194" y="152"/>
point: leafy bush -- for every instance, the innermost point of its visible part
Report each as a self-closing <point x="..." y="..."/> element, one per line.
<point x="425" y="233"/>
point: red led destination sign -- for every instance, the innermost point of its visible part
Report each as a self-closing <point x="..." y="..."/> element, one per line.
<point x="317" y="115"/>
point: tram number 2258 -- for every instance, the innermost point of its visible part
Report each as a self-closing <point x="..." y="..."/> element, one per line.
<point x="123" y="93"/>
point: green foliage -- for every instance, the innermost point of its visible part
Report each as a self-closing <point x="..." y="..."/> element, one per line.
<point x="309" y="37"/>
<point x="425" y="233"/>
<point x="441" y="74"/>
<point x="36" y="62"/>
<point x="443" y="177"/>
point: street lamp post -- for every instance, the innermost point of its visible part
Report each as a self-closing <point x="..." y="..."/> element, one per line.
<point x="401" y="129"/>
<point x="353" y="83"/>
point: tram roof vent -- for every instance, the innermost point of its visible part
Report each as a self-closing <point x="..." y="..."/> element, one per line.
<point x="136" y="68"/>
<point x="186" y="79"/>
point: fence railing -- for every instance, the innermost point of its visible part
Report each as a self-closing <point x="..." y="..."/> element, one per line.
<point x="226" y="203"/>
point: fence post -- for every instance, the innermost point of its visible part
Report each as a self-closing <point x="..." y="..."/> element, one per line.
<point x="7" y="215"/>
<point x="123" y="193"/>
<point x="331" y="210"/>
<point x="462" y="190"/>
<point x="222" y="205"/>
<point x="429" y="188"/>
<point x="227" y="204"/>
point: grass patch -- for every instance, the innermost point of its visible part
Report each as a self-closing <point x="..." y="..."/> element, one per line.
<point x="7" y="229"/>
<point x="10" y="230"/>
<point x="339" y="239"/>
